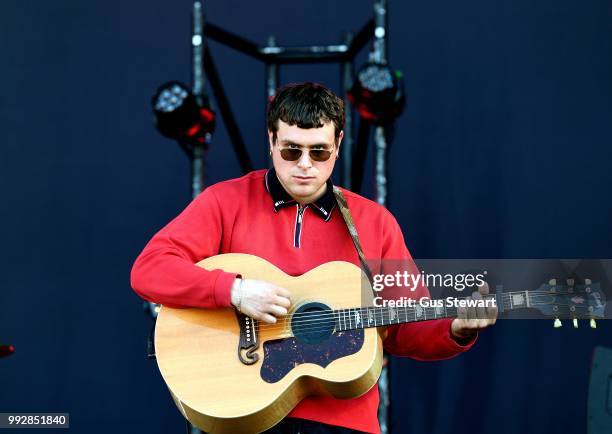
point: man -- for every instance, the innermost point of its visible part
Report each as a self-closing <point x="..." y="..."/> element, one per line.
<point x="288" y="215"/>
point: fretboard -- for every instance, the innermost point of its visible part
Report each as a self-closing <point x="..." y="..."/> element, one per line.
<point x="365" y="317"/>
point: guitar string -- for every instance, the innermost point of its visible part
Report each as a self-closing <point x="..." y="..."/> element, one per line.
<point x="322" y="325"/>
<point x="312" y="317"/>
<point x="287" y="331"/>
<point x="532" y="294"/>
<point x="329" y="313"/>
<point x="348" y="322"/>
<point x="316" y="319"/>
<point x="283" y="322"/>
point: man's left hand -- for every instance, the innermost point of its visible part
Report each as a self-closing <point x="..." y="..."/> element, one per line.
<point x="470" y="320"/>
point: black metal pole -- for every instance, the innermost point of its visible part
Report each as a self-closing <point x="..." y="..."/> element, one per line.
<point x="298" y="54"/>
<point x="272" y="83"/>
<point x="197" y="51"/>
<point x="359" y="155"/>
<point x="231" y="40"/>
<point x="197" y="77"/>
<point x="361" y="38"/>
<point x="226" y="112"/>
<point x="346" y="150"/>
<point x="379" y="55"/>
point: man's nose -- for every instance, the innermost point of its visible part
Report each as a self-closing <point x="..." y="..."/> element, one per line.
<point x="304" y="162"/>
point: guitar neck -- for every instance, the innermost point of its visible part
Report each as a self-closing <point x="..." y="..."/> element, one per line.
<point x="410" y="310"/>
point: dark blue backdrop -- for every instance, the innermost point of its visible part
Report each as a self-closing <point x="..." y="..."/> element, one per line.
<point x="503" y="151"/>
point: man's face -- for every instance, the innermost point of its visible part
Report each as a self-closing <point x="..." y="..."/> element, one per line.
<point x="305" y="178"/>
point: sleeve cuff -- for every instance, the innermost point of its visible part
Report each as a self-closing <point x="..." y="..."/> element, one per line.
<point x="462" y="344"/>
<point x="223" y="288"/>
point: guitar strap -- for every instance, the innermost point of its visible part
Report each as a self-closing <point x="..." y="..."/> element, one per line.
<point x="348" y="220"/>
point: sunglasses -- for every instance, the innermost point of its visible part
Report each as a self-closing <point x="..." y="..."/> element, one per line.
<point x="294" y="154"/>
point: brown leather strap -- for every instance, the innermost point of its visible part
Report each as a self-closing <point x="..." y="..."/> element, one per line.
<point x="348" y="220"/>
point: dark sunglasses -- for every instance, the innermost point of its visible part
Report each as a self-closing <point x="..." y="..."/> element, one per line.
<point x="294" y="154"/>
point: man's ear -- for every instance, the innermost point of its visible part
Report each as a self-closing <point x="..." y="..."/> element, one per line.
<point x="340" y="137"/>
<point x="271" y="140"/>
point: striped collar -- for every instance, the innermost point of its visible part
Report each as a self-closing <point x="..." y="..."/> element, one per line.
<point x="280" y="198"/>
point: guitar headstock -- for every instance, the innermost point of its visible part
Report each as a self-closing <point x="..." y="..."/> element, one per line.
<point x="570" y="301"/>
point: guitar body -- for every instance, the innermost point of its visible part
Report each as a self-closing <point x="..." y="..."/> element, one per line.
<point x="197" y="351"/>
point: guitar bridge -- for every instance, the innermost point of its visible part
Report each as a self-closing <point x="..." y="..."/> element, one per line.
<point x="248" y="342"/>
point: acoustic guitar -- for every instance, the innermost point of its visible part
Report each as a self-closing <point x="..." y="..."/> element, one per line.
<point x="229" y="374"/>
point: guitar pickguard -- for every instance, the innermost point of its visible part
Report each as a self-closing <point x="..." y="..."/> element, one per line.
<point x="281" y="356"/>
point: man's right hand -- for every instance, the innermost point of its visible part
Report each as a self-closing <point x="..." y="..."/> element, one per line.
<point x="260" y="300"/>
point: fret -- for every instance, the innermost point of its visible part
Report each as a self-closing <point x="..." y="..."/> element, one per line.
<point x="392" y="314"/>
<point x="517" y="298"/>
<point x="358" y="322"/>
<point x="337" y="320"/>
<point x="382" y="320"/>
<point x="344" y="318"/>
<point x="418" y="312"/>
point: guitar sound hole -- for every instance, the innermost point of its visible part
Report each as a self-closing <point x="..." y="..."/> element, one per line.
<point x="313" y="323"/>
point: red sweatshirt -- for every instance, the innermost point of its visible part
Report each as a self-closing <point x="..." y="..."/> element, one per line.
<point x="255" y="215"/>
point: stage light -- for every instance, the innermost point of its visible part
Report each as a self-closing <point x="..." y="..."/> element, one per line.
<point x="378" y="93"/>
<point x="179" y="116"/>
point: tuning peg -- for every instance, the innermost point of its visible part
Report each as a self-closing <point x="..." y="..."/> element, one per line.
<point x="552" y="282"/>
<point x="593" y="323"/>
<point x="570" y="282"/>
<point x="575" y="321"/>
<point x="587" y="281"/>
<point x="557" y="323"/>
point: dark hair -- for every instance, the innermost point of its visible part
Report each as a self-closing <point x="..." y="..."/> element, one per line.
<point x="307" y="105"/>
